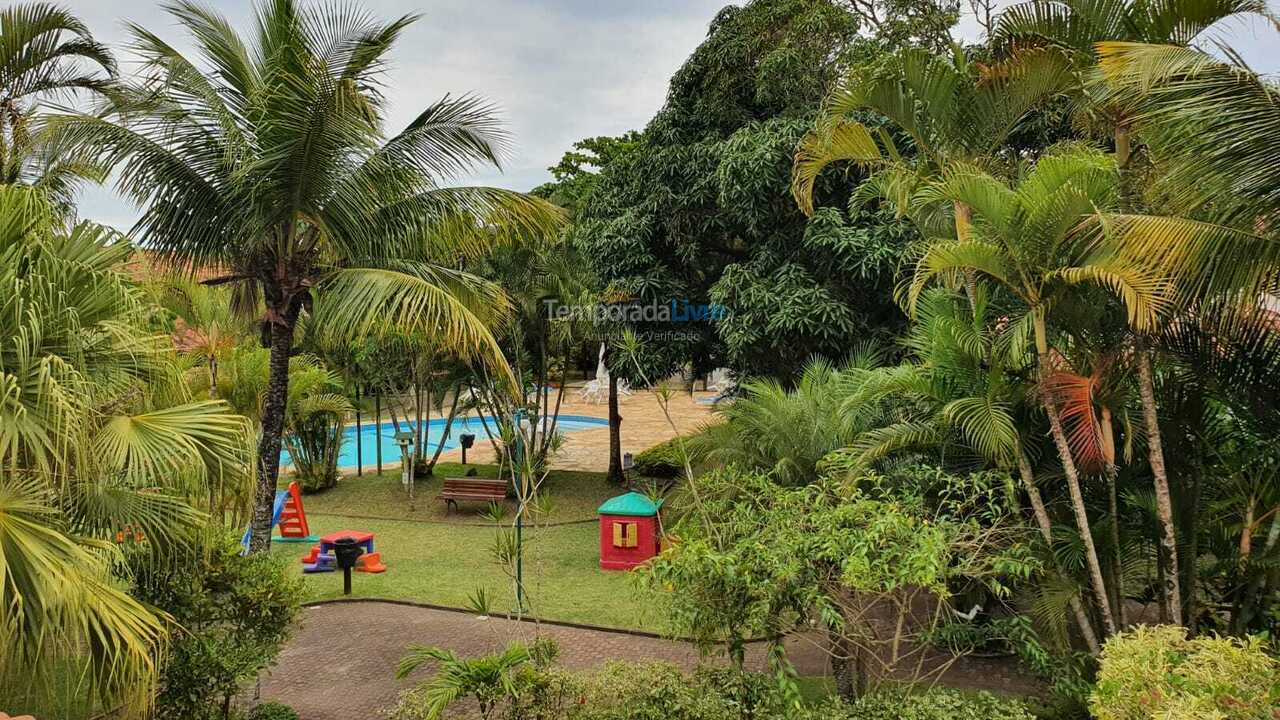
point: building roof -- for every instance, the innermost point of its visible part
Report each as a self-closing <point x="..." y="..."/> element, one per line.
<point x="633" y="503"/>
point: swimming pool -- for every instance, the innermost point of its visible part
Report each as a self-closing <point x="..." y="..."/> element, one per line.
<point x="385" y="434"/>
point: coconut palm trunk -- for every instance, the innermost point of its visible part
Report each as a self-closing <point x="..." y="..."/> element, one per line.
<point x="1164" y="502"/>
<point x="1073" y="483"/>
<point x="1046" y="531"/>
<point x="273" y="413"/>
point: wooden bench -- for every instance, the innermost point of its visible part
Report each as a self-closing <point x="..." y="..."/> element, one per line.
<point x="481" y="489"/>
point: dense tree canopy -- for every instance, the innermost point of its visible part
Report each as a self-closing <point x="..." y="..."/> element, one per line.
<point x="697" y="210"/>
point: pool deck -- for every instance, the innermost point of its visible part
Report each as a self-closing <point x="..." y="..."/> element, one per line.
<point x="643" y="426"/>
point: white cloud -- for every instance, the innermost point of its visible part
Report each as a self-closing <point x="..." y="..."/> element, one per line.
<point x="560" y="70"/>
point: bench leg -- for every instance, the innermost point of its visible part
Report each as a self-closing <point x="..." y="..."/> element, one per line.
<point x="449" y="504"/>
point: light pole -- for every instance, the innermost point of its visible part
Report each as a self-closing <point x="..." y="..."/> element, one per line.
<point x="517" y="464"/>
<point x="405" y="441"/>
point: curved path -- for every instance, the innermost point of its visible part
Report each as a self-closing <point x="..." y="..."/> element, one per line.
<point x="341" y="662"/>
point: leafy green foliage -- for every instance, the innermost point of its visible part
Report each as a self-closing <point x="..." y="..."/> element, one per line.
<point x="755" y="558"/>
<point x="98" y="432"/>
<point x="1160" y="672"/>
<point x="696" y="210"/>
<point x="273" y="711"/>
<point x="232" y="614"/>
<point x="937" y="704"/>
<point x="664" y="460"/>
<point x="787" y="433"/>
<point x="499" y="683"/>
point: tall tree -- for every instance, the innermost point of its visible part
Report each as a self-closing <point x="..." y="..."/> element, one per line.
<point x="1022" y="245"/>
<point x="269" y="166"/>
<point x="696" y="211"/>
<point x="45" y="52"/>
<point x="100" y="445"/>
<point x="1077" y="27"/>
<point x="947" y="114"/>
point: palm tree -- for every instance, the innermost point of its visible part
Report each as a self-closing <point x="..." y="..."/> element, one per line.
<point x="1212" y="130"/>
<point x="208" y="325"/>
<point x="97" y="434"/>
<point x="490" y="679"/>
<point x="1078" y="27"/>
<point x="45" y="51"/>
<point x="788" y="432"/>
<point x="949" y="114"/>
<point x="962" y="392"/>
<point x="1021" y="243"/>
<point x="269" y="166"/>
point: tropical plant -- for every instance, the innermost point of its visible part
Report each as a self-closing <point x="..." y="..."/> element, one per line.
<point x="963" y="395"/>
<point x="1078" y="28"/>
<point x="45" y="52"/>
<point x="946" y="112"/>
<point x="231" y="615"/>
<point x="209" y="325"/>
<point x="492" y="680"/>
<point x="1021" y="243"/>
<point x="786" y="433"/>
<point x="757" y="558"/>
<point x="99" y="442"/>
<point x="1160" y="672"/>
<point x="263" y="160"/>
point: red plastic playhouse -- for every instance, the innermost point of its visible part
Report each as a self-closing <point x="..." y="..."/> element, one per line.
<point x="629" y="533"/>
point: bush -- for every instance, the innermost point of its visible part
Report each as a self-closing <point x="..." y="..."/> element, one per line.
<point x="273" y="711"/>
<point x="659" y="691"/>
<point x="937" y="704"/>
<point x="1152" y="672"/>
<point x="232" y="613"/>
<point x="662" y="460"/>
<point x="527" y="688"/>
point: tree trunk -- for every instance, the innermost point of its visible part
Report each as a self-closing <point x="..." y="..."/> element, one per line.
<point x="273" y="413"/>
<point x="964" y="224"/>
<point x="444" y="432"/>
<point x="1164" y="502"/>
<point x="616" y="475"/>
<point x="1073" y="484"/>
<point x="1113" y="504"/>
<point x="1046" y="532"/>
<point x="213" y="377"/>
<point x="844" y="666"/>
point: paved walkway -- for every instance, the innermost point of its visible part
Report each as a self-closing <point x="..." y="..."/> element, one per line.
<point x="341" y="663"/>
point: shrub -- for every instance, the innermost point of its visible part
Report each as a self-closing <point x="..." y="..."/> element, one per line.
<point x="662" y="460"/>
<point x="1152" y="672"/>
<point x="660" y="691"/>
<point x="522" y="686"/>
<point x="232" y="613"/>
<point x="936" y="704"/>
<point x="273" y="711"/>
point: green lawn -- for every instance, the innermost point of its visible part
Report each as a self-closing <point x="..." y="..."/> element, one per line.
<point x="443" y="563"/>
<point x="567" y="495"/>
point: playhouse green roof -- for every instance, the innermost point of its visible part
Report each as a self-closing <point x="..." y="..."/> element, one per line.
<point x="633" y="503"/>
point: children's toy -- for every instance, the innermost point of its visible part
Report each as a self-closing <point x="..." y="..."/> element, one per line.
<point x="321" y="558"/>
<point x="629" y="531"/>
<point x="289" y="515"/>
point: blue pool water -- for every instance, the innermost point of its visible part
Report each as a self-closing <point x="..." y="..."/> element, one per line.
<point x="385" y="434"/>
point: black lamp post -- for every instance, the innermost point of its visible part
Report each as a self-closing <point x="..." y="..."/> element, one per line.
<point x="467" y="440"/>
<point x="345" y="552"/>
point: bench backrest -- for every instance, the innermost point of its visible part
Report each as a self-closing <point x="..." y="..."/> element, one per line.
<point x="497" y="487"/>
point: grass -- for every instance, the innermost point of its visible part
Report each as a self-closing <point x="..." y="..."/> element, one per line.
<point x="567" y="496"/>
<point x="431" y="560"/>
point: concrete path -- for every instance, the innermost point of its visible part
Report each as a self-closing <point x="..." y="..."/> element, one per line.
<point x="341" y="662"/>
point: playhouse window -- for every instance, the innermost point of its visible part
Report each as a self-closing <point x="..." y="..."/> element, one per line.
<point x="625" y="535"/>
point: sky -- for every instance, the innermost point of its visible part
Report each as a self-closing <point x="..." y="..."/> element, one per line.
<point x="558" y="70"/>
